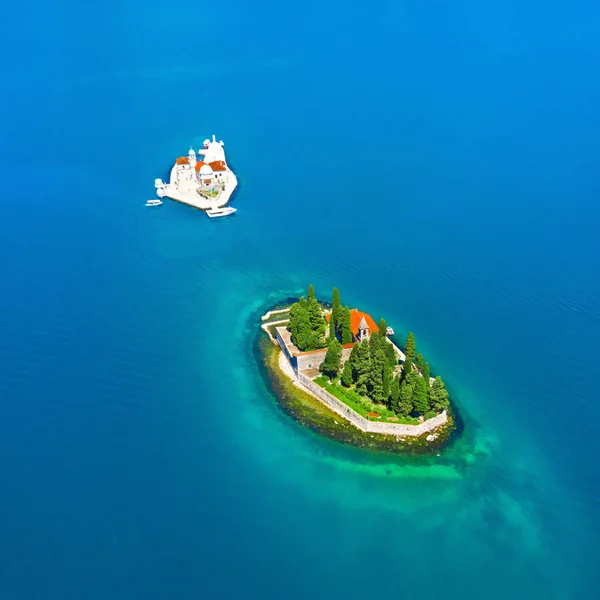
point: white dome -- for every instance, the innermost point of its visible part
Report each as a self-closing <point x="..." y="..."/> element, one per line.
<point x="206" y="170"/>
<point x="191" y="152"/>
<point x="206" y="142"/>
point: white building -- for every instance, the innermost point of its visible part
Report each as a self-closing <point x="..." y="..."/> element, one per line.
<point x="204" y="181"/>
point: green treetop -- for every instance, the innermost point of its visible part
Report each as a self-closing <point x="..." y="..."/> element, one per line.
<point x="409" y="355"/>
<point x="331" y="365"/>
<point x="439" y="394"/>
<point x="346" y="331"/>
<point x="390" y="353"/>
<point x="336" y="307"/>
<point x="361" y="362"/>
<point x="317" y="320"/>
<point x="347" y="374"/>
<point x="378" y="363"/>
<point x="382" y="327"/>
<point x="419" y="362"/>
<point x="388" y="374"/>
<point x="331" y="327"/>
<point x="426" y="375"/>
<point x="420" y="401"/>
<point x="395" y="394"/>
<point x="303" y="337"/>
<point x="405" y="399"/>
<point x="410" y="348"/>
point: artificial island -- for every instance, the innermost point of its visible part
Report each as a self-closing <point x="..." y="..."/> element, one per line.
<point x="204" y="181"/>
<point x="337" y="371"/>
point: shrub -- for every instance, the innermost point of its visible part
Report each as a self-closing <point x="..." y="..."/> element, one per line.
<point x="429" y="414"/>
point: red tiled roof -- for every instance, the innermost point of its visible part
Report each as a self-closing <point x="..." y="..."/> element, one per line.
<point x="199" y="165"/>
<point x="355" y="317"/>
<point x="218" y="165"/>
<point x="183" y="160"/>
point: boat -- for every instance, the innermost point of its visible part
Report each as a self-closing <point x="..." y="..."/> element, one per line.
<point x="155" y="202"/>
<point x="220" y="212"/>
<point x="389" y="331"/>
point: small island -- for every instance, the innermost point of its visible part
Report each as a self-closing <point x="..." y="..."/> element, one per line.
<point x="352" y="367"/>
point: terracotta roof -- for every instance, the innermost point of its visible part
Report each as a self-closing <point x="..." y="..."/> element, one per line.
<point x="355" y="318"/>
<point x="199" y="165"/>
<point x="183" y="160"/>
<point x="218" y="165"/>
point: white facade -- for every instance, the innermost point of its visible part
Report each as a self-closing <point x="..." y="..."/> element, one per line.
<point x="202" y="188"/>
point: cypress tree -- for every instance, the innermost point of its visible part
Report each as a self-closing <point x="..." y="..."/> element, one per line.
<point x="409" y="355"/>
<point x="420" y="396"/>
<point x="439" y="394"/>
<point x="419" y="362"/>
<point x="395" y="394"/>
<point x="410" y="348"/>
<point x="405" y="400"/>
<point x="426" y="375"/>
<point x="331" y="327"/>
<point x="377" y="367"/>
<point x="390" y="353"/>
<point x="317" y="320"/>
<point x="361" y="366"/>
<point x="331" y="365"/>
<point x="387" y="379"/>
<point x="336" y="306"/>
<point x="347" y="374"/>
<point x="303" y="337"/>
<point x="382" y="327"/>
<point x="293" y="324"/>
<point x="346" y="331"/>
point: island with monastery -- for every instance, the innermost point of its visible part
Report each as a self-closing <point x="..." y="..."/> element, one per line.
<point x="339" y="372"/>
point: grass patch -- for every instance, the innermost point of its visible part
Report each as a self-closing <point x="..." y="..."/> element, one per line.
<point x="351" y="398"/>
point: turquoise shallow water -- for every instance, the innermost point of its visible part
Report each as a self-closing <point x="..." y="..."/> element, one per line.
<point x="439" y="166"/>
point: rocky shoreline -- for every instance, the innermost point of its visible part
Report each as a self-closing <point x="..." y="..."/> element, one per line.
<point x="311" y="413"/>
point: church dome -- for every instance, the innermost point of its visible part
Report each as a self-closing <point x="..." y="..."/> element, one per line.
<point x="206" y="170"/>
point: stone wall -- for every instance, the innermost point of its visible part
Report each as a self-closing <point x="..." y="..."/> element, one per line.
<point x="363" y="424"/>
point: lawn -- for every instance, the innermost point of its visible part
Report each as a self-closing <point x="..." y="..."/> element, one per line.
<point x="351" y="398"/>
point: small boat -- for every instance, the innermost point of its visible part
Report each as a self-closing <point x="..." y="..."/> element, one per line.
<point x="153" y="202"/>
<point x="220" y="212"/>
<point x="389" y="331"/>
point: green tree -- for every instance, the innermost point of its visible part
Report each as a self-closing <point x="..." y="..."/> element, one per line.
<point x="376" y="342"/>
<point x="391" y="355"/>
<point x="395" y="394"/>
<point x="303" y="337"/>
<point x="361" y="363"/>
<point x="420" y="401"/>
<point x="426" y="375"/>
<point x="318" y="324"/>
<point x="336" y="307"/>
<point x="409" y="355"/>
<point x="439" y="397"/>
<point x="388" y="373"/>
<point x="331" y="328"/>
<point x="346" y="331"/>
<point x="376" y="386"/>
<point x="410" y="348"/>
<point x="331" y="365"/>
<point x="347" y="374"/>
<point x="405" y="399"/>
<point x="382" y="327"/>
<point x="419" y="362"/>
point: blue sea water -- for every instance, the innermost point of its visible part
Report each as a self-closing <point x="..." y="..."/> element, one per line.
<point x="436" y="161"/>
